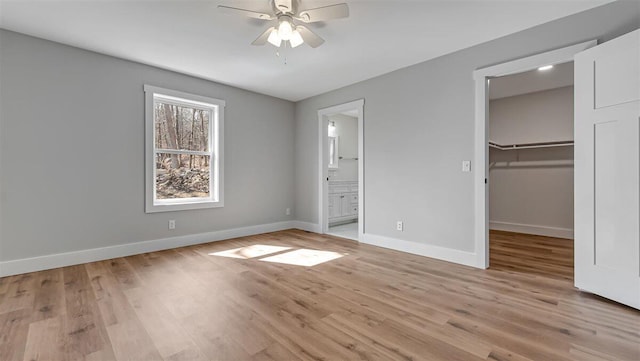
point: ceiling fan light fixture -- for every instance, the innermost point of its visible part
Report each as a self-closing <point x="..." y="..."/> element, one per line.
<point x="296" y="39"/>
<point x="274" y="38"/>
<point x="285" y="29"/>
<point x="288" y="17"/>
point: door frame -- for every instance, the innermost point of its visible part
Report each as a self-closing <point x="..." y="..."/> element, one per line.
<point x="323" y="188"/>
<point x="481" y="147"/>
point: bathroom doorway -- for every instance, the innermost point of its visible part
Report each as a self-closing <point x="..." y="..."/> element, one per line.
<point x="341" y="168"/>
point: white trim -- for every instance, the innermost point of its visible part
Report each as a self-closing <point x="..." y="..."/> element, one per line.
<point x="323" y="169"/>
<point x="481" y="148"/>
<point x="188" y="152"/>
<point x="307" y="226"/>
<point x="421" y="249"/>
<point x="179" y="94"/>
<point x="216" y="150"/>
<point x="1" y="171"/>
<point x="552" y="57"/>
<point x="19" y="266"/>
<point x="547" y="231"/>
<point x="481" y="201"/>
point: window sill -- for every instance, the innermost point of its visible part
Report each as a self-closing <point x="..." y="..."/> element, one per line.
<point x="168" y="207"/>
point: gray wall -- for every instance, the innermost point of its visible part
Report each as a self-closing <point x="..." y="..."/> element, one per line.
<point x="72" y="152"/>
<point x="544" y="116"/>
<point x="419" y="126"/>
<point x="532" y="187"/>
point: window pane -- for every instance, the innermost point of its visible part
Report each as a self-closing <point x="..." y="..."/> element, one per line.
<point x="182" y="176"/>
<point x="181" y="127"/>
<point x="332" y="150"/>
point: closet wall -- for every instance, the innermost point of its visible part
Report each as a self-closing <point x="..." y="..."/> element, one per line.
<point x="531" y="190"/>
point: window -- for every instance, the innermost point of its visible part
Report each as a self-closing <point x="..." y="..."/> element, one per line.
<point x="333" y="152"/>
<point x="184" y="150"/>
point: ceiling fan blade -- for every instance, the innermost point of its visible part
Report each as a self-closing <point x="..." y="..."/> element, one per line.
<point x="262" y="39"/>
<point x="285" y="6"/>
<point x="309" y="36"/>
<point x="324" y="13"/>
<point x="244" y="12"/>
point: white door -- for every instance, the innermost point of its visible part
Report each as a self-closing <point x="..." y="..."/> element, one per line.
<point x="607" y="169"/>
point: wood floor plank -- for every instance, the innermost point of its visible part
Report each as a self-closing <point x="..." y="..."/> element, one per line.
<point x="81" y="319"/>
<point x="4" y="287"/>
<point x="123" y="272"/>
<point x="275" y="352"/>
<point x="20" y="293"/>
<point x="281" y="337"/>
<point x="14" y="328"/>
<point x="49" y="298"/>
<point x="128" y="338"/>
<point x="193" y="303"/>
<point x="298" y="325"/>
<point x="209" y="330"/>
<point x="364" y="328"/>
<point x="177" y="291"/>
<point x="165" y="331"/>
<point x="46" y="340"/>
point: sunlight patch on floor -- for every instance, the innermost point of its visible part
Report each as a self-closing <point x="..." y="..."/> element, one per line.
<point x="256" y="250"/>
<point x="304" y="257"/>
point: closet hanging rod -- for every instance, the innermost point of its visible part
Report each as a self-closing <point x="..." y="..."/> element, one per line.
<point x="565" y="143"/>
<point x="343" y="158"/>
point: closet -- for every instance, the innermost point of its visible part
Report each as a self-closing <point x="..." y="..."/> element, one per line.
<point x="531" y="170"/>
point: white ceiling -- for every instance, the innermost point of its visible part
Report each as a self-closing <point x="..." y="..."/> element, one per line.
<point x="531" y="81"/>
<point x="193" y="37"/>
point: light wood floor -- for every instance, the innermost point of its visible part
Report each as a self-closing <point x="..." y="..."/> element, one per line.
<point x="370" y="304"/>
<point x="525" y="253"/>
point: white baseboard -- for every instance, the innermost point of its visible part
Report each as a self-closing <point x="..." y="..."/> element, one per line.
<point x="421" y="249"/>
<point x="532" y="229"/>
<point x="25" y="265"/>
<point x="307" y="226"/>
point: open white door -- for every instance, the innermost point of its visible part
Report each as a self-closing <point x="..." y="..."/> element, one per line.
<point x="607" y="169"/>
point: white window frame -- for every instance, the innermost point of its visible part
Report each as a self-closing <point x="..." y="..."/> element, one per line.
<point x="216" y="150"/>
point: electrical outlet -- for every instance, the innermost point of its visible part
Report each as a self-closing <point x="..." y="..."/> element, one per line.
<point x="399" y="226"/>
<point x="172" y="224"/>
<point x="287" y="211"/>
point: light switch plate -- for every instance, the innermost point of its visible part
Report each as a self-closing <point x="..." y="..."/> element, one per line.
<point x="466" y="166"/>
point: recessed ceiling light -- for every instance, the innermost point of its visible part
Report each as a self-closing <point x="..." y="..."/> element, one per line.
<point x="546" y="67"/>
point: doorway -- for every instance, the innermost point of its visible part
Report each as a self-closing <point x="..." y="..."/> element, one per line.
<point x="531" y="174"/>
<point x="341" y="149"/>
<point x="481" y="176"/>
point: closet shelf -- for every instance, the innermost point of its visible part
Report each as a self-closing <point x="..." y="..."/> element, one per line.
<point x="566" y="143"/>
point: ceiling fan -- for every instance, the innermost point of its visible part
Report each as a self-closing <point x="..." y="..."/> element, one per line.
<point x="286" y="12"/>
